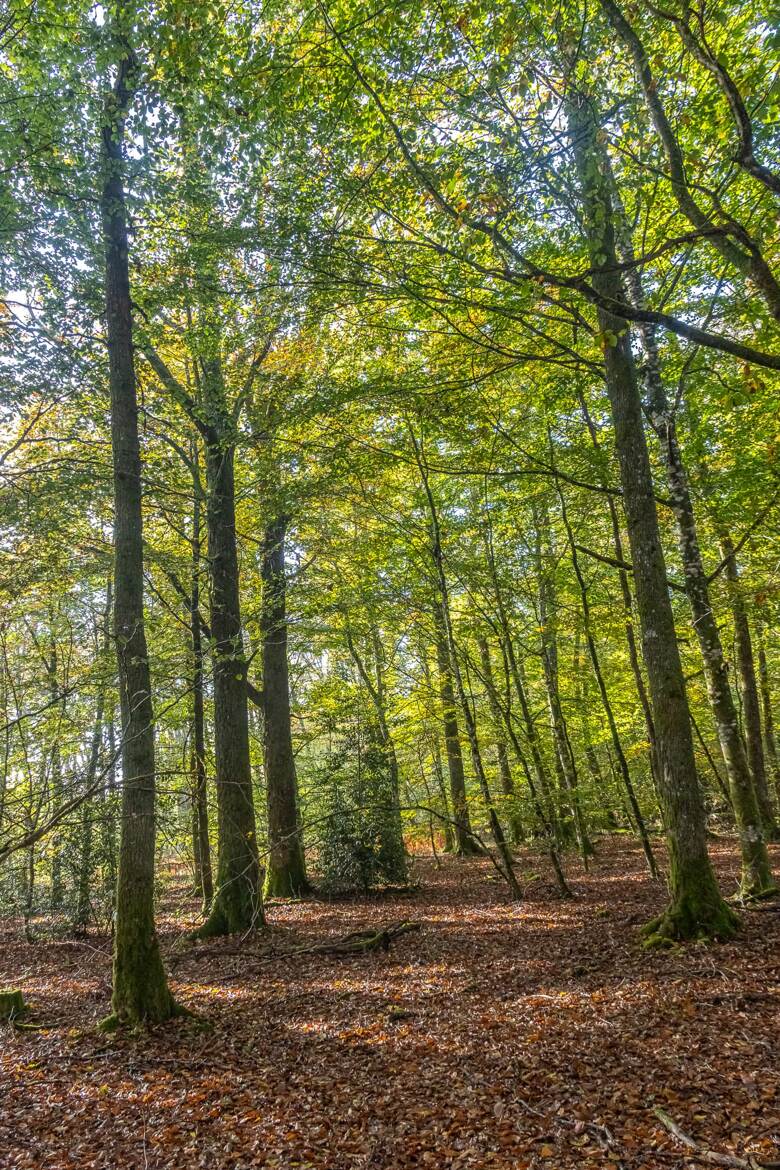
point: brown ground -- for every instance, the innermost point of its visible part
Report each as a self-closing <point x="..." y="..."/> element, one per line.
<point x="500" y="1036"/>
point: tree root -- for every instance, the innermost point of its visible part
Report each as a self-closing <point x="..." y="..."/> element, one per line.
<point x="358" y="942"/>
<point x="687" y="921"/>
<point x="361" y="941"/>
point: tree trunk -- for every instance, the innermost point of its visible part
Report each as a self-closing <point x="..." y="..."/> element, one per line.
<point x="286" y="868"/>
<point x="504" y="771"/>
<point x="465" y="844"/>
<point x="549" y="646"/>
<point x="541" y="815"/>
<point x="507" y="645"/>
<point x="140" y="989"/>
<point x="625" y="593"/>
<point x="55" y="764"/>
<point x="204" y="879"/>
<point x="445" y="617"/>
<point x="376" y="689"/>
<point x="751" y="707"/>
<point x="617" y="745"/>
<point x="237" y="904"/>
<point x="756" y="869"/>
<point x="697" y="908"/>
<point x="770" y="742"/>
<point x="81" y="919"/>
<point x="86" y="859"/>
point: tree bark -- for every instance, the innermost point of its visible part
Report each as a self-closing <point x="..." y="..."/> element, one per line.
<point x="204" y="879"/>
<point x="465" y="844"/>
<point x="617" y="745"/>
<point x="770" y="742"/>
<point x="237" y="904"/>
<point x="743" y="786"/>
<point x="502" y="756"/>
<point x="286" y="868"/>
<point x="751" y="706"/>
<point x="140" y="989"/>
<point x="697" y="908"/>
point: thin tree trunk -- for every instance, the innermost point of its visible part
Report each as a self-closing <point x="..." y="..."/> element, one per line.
<point x="376" y="688"/>
<point x="770" y="742"/>
<point x="449" y="645"/>
<point x="625" y="593"/>
<point x="83" y="905"/>
<point x="465" y="843"/>
<point x="140" y="989"/>
<point x="549" y="648"/>
<point x="286" y="868"/>
<point x="696" y="908"/>
<point x="542" y="817"/>
<point x="502" y="756"/>
<point x="447" y="822"/>
<point x="449" y="838"/>
<point x="200" y="810"/>
<point x="86" y="858"/>
<point x="532" y="735"/>
<point x="617" y="744"/>
<point x="57" y="841"/>
<point x="751" y="706"/>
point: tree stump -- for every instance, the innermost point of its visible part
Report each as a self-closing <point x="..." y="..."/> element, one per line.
<point x="11" y="1005"/>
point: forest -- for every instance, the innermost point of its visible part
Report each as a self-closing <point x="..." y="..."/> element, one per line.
<point x="389" y="584"/>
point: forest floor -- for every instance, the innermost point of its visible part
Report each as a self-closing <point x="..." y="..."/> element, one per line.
<point x="500" y="1036"/>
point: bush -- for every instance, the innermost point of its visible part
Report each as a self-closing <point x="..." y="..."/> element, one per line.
<point x="361" y="843"/>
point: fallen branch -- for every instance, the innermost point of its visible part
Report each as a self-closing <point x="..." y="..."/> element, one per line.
<point x="358" y="942"/>
<point x="705" y="1154"/>
<point x="361" y="941"/>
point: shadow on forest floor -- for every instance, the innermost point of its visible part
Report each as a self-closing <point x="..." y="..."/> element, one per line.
<point x="499" y="1036"/>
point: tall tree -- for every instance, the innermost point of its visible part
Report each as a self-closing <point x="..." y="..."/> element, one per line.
<point x="140" y="989"/>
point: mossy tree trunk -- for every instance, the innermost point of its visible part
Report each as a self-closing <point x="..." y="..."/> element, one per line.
<point x="140" y="990"/>
<point x="285" y="874"/>
<point x="697" y="908"/>
<point x="204" y="880"/>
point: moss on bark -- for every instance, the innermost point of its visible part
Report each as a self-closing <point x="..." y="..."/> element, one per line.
<point x="11" y="1005"/>
<point x="696" y="912"/>
<point x="140" y="990"/>
<point x="288" y="880"/>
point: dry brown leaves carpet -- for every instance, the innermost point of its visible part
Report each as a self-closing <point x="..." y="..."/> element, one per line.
<point x="499" y="1036"/>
